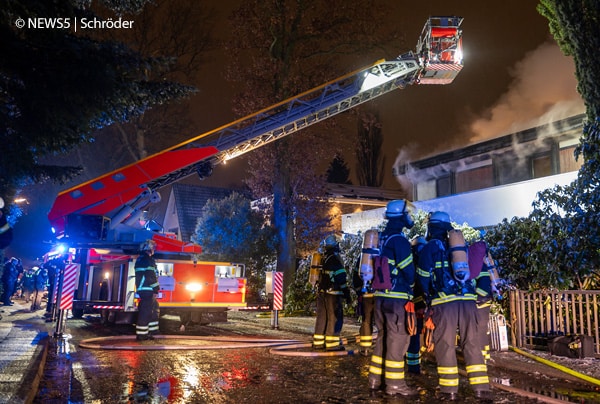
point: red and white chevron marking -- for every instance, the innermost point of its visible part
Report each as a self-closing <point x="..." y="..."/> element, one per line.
<point x="277" y="290"/>
<point x="107" y="307"/>
<point x="55" y="285"/>
<point x="68" y="289"/>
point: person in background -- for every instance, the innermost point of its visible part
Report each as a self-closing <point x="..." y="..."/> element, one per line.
<point x="452" y="306"/>
<point x="51" y="272"/>
<point x="40" y="285"/>
<point x="28" y="283"/>
<point x="9" y="280"/>
<point x="392" y="318"/>
<point x="146" y="281"/>
<point x="332" y="288"/>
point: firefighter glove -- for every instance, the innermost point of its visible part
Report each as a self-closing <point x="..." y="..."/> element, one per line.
<point x="428" y="334"/>
<point x="411" y="318"/>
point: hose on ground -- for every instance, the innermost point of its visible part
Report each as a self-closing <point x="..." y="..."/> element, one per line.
<point x="565" y="369"/>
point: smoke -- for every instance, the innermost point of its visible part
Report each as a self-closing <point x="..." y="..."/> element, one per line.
<point x="543" y="90"/>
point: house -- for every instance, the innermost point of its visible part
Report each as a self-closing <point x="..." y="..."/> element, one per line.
<point x="483" y="183"/>
<point x="182" y="204"/>
<point x="179" y="211"/>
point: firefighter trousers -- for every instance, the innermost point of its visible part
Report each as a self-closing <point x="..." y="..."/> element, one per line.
<point x="413" y="354"/>
<point x="483" y="318"/>
<point x="148" y="313"/>
<point x="330" y="318"/>
<point x="387" y="361"/>
<point x="448" y="317"/>
<point x="366" y="327"/>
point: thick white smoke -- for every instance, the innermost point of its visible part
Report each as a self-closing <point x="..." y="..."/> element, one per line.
<point x="543" y="91"/>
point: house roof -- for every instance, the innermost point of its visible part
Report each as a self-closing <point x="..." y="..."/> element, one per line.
<point x="189" y="201"/>
<point x="363" y="195"/>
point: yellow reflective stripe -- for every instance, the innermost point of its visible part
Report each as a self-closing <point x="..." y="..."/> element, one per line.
<point x="375" y="370"/>
<point x="393" y="295"/>
<point x="339" y="271"/>
<point x="366" y="338"/>
<point x="394" y="375"/>
<point x="394" y="364"/>
<point x="479" y="380"/>
<point x="452" y="298"/>
<point x="4" y="228"/>
<point x="406" y="262"/>
<point x="448" y="382"/>
<point x="377" y="359"/>
<point x="442" y="370"/>
<point x="423" y="273"/>
<point x="476" y="368"/>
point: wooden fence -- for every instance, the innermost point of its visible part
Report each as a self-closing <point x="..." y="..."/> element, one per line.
<point x="536" y="316"/>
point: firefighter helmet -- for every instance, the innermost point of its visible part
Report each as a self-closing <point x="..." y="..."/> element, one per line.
<point x="1" y="203"/>
<point x="148" y="245"/>
<point x="440" y="220"/>
<point x="330" y="241"/>
<point x="399" y="208"/>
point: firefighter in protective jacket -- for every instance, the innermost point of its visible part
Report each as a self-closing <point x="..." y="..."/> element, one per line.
<point x="386" y="369"/>
<point x="452" y="306"/>
<point x="146" y="282"/>
<point x="332" y="289"/>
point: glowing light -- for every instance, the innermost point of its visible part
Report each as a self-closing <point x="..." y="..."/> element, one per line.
<point x="193" y="287"/>
<point x="106" y="275"/>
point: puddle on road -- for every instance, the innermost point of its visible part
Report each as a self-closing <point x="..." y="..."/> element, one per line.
<point x="564" y="391"/>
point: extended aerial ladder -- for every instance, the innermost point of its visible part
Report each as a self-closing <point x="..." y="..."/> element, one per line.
<point x="95" y="210"/>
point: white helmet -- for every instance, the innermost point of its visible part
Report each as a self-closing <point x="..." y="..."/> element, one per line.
<point x="148" y="245"/>
<point x="399" y="208"/>
<point x="330" y="241"/>
<point x="1" y="203"/>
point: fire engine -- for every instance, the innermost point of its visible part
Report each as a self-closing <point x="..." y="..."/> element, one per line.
<point x="101" y="221"/>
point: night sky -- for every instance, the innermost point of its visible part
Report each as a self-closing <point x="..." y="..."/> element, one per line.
<point x="514" y="77"/>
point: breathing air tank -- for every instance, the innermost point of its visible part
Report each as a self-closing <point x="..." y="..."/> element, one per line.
<point x="370" y="248"/>
<point x="493" y="271"/>
<point x="316" y="264"/>
<point x="458" y="253"/>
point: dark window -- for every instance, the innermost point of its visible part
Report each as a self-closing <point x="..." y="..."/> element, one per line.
<point x="475" y="178"/>
<point x="542" y="166"/>
<point x="444" y="186"/>
<point x="567" y="160"/>
<point x="511" y="170"/>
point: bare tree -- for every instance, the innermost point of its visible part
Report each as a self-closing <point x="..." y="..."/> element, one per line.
<point x="283" y="48"/>
<point x="369" y="152"/>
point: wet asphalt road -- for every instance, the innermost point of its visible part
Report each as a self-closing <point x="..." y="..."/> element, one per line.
<point x="236" y="374"/>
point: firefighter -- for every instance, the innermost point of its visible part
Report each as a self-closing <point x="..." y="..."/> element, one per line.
<point x="332" y="289"/>
<point x="146" y="281"/>
<point x="366" y="303"/>
<point x="452" y="306"/>
<point x="413" y="355"/>
<point x="386" y="369"/>
<point x="483" y="285"/>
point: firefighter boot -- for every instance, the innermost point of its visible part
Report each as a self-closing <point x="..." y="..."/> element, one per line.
<point x="374" y="383"/>
<point x="401" y="389"/>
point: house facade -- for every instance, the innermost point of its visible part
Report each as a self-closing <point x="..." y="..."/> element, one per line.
<point x="483" y="183"/>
